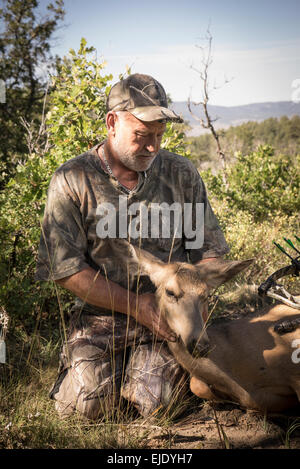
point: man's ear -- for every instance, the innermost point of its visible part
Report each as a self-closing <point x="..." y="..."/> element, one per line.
<point x="138" y="261"/>
<point x="216" y="272"/>
<point x="110" y="119"/>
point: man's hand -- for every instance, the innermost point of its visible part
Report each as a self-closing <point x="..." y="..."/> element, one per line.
<point x="149" y="315"/>
<point x="96" y="290"/>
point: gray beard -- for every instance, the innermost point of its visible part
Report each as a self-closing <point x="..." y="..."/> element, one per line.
<point x="134" y="162"/>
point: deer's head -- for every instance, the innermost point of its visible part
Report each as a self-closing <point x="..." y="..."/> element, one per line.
<point x="182" y="289"/>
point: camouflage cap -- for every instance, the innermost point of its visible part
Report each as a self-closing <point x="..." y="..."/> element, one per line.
<point x="142" y="96"/>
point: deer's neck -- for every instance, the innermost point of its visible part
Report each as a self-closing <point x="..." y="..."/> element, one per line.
<point x="206" y="370"/>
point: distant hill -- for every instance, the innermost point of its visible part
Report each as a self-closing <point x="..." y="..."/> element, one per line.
<point x="236" y="115"/>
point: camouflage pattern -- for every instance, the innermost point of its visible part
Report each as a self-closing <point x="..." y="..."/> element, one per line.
<point x="69" y="242"/>
<point x="95" y="372"/>
<point x="142" y="96"/>
<point x="93" y="358"/>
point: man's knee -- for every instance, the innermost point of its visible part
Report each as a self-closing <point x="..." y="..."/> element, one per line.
<point x="97" y="406"/>
<point x="91" y="385"/>
<point x="153" y="378"/>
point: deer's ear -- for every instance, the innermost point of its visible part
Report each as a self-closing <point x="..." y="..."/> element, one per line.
<point x="219" y="271"/>
<point x="150" y="265"/>
<point x="138" y="261"/>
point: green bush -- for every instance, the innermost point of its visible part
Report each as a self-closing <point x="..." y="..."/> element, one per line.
<point x="76" y="120"/>
<point x="260" y="204"/>
<point x="262" y="187"/>
<point x="282" y="134"/>
<point x="174" y="139"/>
<point x="78" y="88"/>
<point x="74" y="123"/>
<point x="260" y="183"/>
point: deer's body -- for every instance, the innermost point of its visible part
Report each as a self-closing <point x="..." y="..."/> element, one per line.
<point x="242" y="360"/>
<point x="249" y="363"/>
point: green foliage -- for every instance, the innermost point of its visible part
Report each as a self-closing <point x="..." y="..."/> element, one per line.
<point x="24" y="50"/>
<point x="259" y="183"/>
<point x="76" y="118"/>
<point x="260" y="204"/>
<point x="74" y="123"/>
<point x="282" y="134"/>
<point x="79" y="88"/>
<point x="249" y="238"/>
<point x="174" y="139"/>
<point x="262" y="184"/>
<point x="202" y="148"/>
<point x="22" y="204"/>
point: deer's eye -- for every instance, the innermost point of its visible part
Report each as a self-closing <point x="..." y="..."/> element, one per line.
<point x="170" y="293"/>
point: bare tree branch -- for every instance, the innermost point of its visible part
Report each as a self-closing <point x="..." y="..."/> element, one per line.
<point x="37" y="140"/>
<point x="207" y="121"/>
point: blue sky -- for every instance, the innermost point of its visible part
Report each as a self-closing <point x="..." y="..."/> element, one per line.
<point x="256" y="44"/>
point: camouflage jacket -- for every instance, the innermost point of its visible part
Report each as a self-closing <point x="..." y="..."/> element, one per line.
<point x="70" y="239"/>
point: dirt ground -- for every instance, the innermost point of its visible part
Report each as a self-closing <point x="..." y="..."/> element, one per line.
<point x="225" y="426"/>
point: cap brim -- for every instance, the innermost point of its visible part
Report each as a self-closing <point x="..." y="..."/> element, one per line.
<point x="154" y="113"/>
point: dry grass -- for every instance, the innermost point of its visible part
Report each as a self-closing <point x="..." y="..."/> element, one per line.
<point x="27" y="415"/>
<point x="28" y="418"/>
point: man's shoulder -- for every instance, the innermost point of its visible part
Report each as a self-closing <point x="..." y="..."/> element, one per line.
<point x="172" y="163"/>
<point x="74" y="173"/>
<point x="80" y="162"/>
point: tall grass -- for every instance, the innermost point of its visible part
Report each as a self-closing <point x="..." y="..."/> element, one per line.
<point x="27" y="415"/>
<point x="28" y="418"/>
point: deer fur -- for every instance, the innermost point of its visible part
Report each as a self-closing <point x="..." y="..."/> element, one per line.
<point x="242" y="360"/>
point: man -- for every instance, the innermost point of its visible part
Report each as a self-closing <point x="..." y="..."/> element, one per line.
<point x="112" y="315"/>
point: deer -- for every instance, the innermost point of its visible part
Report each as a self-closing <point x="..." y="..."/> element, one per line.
<point x="247" y="361"/>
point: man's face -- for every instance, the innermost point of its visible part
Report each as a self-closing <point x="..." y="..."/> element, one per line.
<point x="136" y="143"/>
